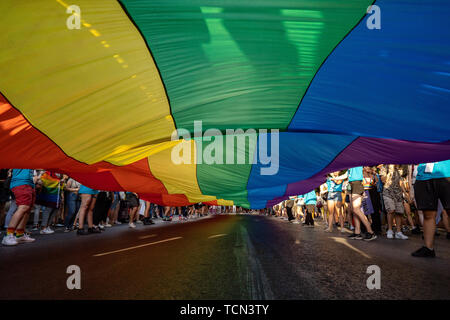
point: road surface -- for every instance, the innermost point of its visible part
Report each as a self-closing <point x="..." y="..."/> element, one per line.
<point x="222" y="257"/>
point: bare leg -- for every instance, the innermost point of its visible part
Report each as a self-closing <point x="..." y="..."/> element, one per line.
<point x="408" y="214"/>
<point x="390" y="220"/>
<point x="331" y="208"/>
<point x="84" y="207"/>
<point x="23" y="222"/>
<point x="429" y="228"/>
<point x="340" y="212"/>
<point x="90" y="214"/>
<point x="132" y="214"/>
<point x="445" y="220"/>
<point x="356" y="204"/>
<point x="17" y="216"/>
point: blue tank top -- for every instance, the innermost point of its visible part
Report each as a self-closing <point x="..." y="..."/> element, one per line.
<point x="355" y="174"/>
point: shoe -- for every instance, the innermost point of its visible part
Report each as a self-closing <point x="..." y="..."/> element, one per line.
<point x="424" y="252"/>
<point x="148" y="221"/>
<point x="94" y="230"/>
<point x="35" y="227"/>
<point x="9" y="240"/>
<point x="355" y="236"/>
<point x="390" y="234"/>
<point x="118" y="222"/>
<point x="59" y="225"/>
<point x="67" y="230"/>
<point x="416" y="230"/>
<point x="82" y="232"/>
<point x="296" y="222"/>
<point x="25" y="239"/>
<point x="101" y="227"/>
<point x="328" y="230"/>
<point x="343" y="230"/>
<point x="400" y="235"/>
<point x="370" y="236"/>
<point x="47" y="230"/>
<point x="108" y="225"/>
<point x="139" y="222"/>
<point x="132" y="225"/>
<point x="352" y="228"/>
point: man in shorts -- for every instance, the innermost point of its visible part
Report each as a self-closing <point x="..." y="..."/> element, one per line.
<point x="432" y="184"/>
<point x="393" y="199"/>
<point x="22" y="185"/>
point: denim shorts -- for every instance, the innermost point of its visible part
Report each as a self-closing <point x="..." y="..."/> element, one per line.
<point x="334" y="196"/>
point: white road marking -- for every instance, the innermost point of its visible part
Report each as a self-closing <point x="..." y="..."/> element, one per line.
<point x="217" y="235"/>
<point x="148" y="236"/>
<point x="135" y="247"/>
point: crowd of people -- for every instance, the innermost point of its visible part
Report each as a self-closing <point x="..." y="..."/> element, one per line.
<point x="390" y="200"/>
<point x="45" y="200"/>
<point x="369" y="202"/>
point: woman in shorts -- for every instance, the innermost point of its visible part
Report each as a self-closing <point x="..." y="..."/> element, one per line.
<point x="334" y="201"/>
<point x="88" y="199"/>
<point x="355" y="178"/>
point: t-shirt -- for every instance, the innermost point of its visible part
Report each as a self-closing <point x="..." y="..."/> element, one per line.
<point x="333" y="186"/>
<point x="310" y="197"/>
<point x="355" y="174"/>
<point x="21" y="177"/>
<point x="439" y="170"/>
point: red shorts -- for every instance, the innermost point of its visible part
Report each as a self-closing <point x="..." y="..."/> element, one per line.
<point x="25" y="195"/>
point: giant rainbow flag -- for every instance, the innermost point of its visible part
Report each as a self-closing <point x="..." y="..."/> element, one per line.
<point x="346" y="83"/>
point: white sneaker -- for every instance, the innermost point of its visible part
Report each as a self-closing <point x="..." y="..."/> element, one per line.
<point x="139" y="222"/>
<point x="9" y="240"/>
<point x="296" y="222"/>
<point x="390" y="234"/>
<point x="108" y="225"/>
<point x="118" y="222"/>
<point x="35" y="228"/>
<point x="25" y="239"/>
<point x="343" y="230"/>
<point x="132" y="225"/>
<point x="47" y="231"/>
<point x="400" y="235"/>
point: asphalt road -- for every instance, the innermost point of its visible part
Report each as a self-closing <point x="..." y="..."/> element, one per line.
<point x="221" y="257"/>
